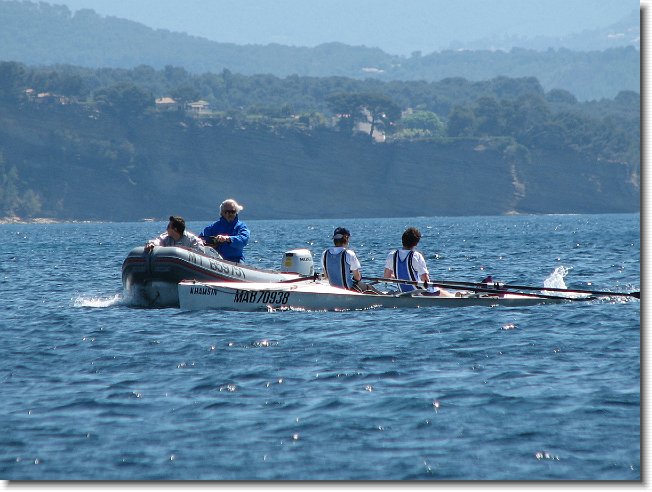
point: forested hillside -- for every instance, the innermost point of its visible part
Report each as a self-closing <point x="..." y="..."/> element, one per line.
<point x="77" y="143"/>
<point x="44" y="34"/>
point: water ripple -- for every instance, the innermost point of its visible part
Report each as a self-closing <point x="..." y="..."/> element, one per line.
<point x="93" y="389"/>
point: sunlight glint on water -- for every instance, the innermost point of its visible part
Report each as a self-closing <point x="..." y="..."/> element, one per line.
<point x="91" y="389"/>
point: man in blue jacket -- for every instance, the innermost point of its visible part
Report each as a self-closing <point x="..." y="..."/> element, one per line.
<point x="229" y="235"/>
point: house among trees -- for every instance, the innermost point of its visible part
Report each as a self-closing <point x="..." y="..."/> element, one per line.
<point x="47" y="97"/>
<point x="167" y="104"/>
<point x="198" y="108"/>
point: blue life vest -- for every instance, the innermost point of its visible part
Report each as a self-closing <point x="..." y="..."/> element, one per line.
<point x="404" y="270"/>
<point x="337" y="269"/>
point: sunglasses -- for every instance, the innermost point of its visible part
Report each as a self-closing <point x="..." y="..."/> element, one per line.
<point x="229" y="211"/>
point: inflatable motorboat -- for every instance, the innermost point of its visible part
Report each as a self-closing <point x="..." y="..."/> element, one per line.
<point x="151" y="279"/>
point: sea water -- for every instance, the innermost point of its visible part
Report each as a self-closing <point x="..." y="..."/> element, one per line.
<point x="92" y="389"/>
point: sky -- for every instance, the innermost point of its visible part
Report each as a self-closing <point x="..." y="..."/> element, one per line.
<point x="398" y="27"/>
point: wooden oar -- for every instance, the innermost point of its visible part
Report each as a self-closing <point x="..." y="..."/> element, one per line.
<point x="459" y="286"/>
<point x="498" y="287"/>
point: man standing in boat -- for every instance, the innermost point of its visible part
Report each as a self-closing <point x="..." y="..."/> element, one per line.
<point x="176" y="235"/>
<point x="340" y="264"/>
<point x="229" y="235"/>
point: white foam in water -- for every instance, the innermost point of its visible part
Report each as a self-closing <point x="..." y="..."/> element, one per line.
<point x="556" y="279"/>
<point x="97" y="302"/>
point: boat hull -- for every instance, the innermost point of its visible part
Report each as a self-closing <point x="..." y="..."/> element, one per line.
<point x="319" y="296"/>
<point x="151" y="279"/>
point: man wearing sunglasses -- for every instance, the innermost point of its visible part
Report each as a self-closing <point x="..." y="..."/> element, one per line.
<point x="229" y="235"/>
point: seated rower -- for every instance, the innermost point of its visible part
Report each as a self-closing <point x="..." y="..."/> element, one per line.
<point x="340" y="265"/>
<point x="409" y="264"/>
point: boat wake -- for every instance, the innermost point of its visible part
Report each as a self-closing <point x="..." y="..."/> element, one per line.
<point x="98" y="302"/>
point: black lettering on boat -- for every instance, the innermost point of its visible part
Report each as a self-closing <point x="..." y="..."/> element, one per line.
<point x="203" y="291"/>
<point x="241" y="296"/>
<point x="225" y="269"/>
<point x="261" y="296"/>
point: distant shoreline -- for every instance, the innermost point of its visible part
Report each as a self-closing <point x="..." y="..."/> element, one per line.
<point x="45" y="220"/>
<point x="36" y="220"/>
<point x="14" y="219"/>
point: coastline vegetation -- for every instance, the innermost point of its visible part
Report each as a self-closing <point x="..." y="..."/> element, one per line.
<point x="517" y="112"/>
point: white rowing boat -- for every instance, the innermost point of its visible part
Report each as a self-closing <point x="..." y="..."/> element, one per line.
<point x="318" y="295"/>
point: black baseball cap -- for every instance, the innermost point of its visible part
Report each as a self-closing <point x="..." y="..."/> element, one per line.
<point x="340" y="232"/>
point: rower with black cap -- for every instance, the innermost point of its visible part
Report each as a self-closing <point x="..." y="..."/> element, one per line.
<point x="340" y="264"/>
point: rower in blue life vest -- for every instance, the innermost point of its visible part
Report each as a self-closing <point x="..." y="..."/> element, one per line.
<point x="229" y="235"/>
<point x="409" y="264"/>
<point x="340" y="264"/>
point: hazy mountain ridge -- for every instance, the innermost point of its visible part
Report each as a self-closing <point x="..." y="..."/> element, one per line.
<point x="44" y="34"/>
<point x="623" y="32"/>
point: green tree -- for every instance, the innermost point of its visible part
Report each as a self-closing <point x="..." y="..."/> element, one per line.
<point x="345" y="107"/>
<point x="185" y="93"/>
<point x="125" y="98"/>
<point x="376" y="109"/>
<point x="12" y="76"/>
<point x="628" y="98"/>
<point x="12" y="200"/>
<point x="427" y="121"/>
<point x="175" y="76"/>
<point x="560" y="96"/>
<point x="72" y="85"/>
<point x="9" y="199"/>
<point x="489" y="116"/>
<point x="382" y="110"/>
<point x="461" y="122"/>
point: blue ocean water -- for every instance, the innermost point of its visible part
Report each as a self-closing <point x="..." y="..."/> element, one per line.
<point x="92" y="389"/>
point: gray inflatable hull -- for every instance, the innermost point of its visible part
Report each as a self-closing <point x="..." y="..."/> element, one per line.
<point x="151" y="279"/>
